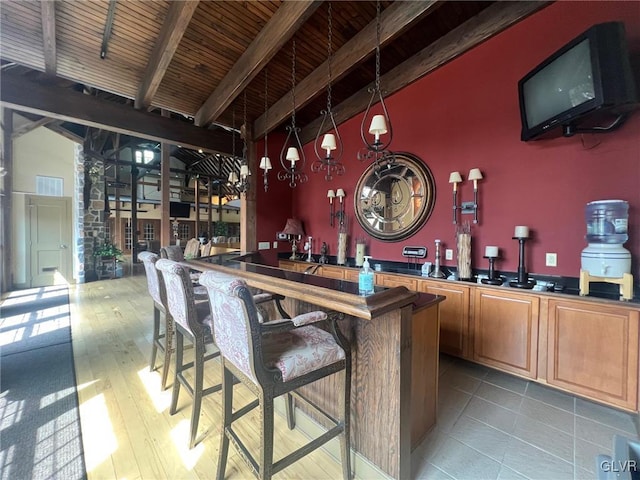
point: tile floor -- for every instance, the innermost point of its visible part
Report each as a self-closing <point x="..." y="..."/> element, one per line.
<point x="496" y="426"/>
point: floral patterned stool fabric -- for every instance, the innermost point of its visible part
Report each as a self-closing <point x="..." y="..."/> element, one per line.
<point x="273" y="358"/>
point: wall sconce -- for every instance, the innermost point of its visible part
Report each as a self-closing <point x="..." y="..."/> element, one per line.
<point x="475" y="175"/>
<point x="455" y="178"/>
<point x="332" y="213"/>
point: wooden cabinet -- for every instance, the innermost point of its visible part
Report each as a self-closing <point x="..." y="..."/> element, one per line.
<point x="391" y="280"/>
<point x="351" y="274"/>
<point x="454" y="315"/>
<point x="330" y="271"/>
<point x="592" y="350"/>
<point x="293" y="266"/>
<point x="505" y="330"/>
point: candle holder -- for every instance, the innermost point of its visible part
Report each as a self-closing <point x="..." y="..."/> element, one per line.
<point x="492" y="280"/>
<point x="523" y="279"/>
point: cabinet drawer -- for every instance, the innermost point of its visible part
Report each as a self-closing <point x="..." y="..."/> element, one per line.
<point x="387" y="280"/>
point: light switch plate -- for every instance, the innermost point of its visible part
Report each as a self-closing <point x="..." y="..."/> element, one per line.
<point x="552" y="260"/>
<point x="448" y="254"/>
<point x="275" y="244"/>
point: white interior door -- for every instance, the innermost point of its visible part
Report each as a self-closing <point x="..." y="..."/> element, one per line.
<point x="49" y="240"/>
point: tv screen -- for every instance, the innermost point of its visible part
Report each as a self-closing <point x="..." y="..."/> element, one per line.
<point x="591" y="74"/>
<point x="179" y="209"/>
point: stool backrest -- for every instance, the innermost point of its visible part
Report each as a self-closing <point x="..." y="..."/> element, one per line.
<point x="172" y="252"/>
<point x="192" y="250"/>
<point x="155" y="285"/>
<point x="180" y="296"/>
<point x="235" y="319"/>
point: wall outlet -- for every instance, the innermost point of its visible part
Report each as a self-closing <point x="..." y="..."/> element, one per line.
<point x="448" y="254"/>
<point x="552" y="260"/>
<point x="275" y="244"/>
<point x="263" y="245"/>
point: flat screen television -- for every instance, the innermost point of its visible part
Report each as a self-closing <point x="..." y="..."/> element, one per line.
<point x="587" y="81"/>
<point x="179" y="209"/>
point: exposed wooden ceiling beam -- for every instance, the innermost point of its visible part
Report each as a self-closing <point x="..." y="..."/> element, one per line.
<point x="108" y="27"/>
<point x="488" y="23"/>
<point x="283" y="24"/>
<point x="57" y="127"/>
<point x="393" y="21"/>
<point x="24" y="95"/>
<point x="28" y="127"/>
<point x="177" y="21"/>
<point x="48" y="18"/>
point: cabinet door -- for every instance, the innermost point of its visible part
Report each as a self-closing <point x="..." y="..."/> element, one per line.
<point x="505" y="329"/>
<point x="293" y="266"/>
<point x="593" y="351"/>
<point x="351" y="274"/>
<point x="387" y="280"/>
<point x="454" y="316"/>
<point x="331" y="272"/>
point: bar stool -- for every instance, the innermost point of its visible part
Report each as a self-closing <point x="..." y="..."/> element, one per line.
<point x="192" y="320"/>
<point x="273" y="359"/>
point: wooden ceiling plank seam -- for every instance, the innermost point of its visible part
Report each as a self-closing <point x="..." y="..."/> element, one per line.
<point x="463" y="38"/>
<point x="284" y="23"/>
<point x="394" y="20"/>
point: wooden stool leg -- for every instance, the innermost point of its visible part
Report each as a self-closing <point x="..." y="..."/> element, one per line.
<point x="168" y="351"/>
<point x="198" y="381"/>
<point x="178" y="371"/>
<point x="290" y="409"/>
<point x="266" y="434"/>
<point x="227" y="403"/>
<point x="156" y="336"/>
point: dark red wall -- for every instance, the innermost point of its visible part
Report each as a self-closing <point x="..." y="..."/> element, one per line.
<point x="466" y="115"/>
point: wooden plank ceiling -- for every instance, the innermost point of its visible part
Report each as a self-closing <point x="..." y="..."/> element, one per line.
<point x="196" y="60"/>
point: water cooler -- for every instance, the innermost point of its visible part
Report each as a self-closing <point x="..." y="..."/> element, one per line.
<point x="605" y="259"/>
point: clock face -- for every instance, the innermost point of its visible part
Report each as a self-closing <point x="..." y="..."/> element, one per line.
<point x="393" y="200"/>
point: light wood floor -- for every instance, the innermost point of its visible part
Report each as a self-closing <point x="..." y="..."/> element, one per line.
<point x="127" y="430"/>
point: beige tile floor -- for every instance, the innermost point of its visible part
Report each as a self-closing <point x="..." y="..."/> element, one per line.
<point x="496" y="426"/>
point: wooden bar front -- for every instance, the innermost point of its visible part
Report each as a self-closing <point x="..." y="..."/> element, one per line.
<point x="394" y="341"/>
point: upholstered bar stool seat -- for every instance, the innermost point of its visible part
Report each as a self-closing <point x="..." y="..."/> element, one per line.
<point x="272" y="359"/>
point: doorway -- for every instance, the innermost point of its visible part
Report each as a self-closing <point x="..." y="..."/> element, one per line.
<point x="49" y="240"/>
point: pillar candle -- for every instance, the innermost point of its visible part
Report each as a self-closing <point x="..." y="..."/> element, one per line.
<point x="521" y="232"/>
<point x="491" y="251"/>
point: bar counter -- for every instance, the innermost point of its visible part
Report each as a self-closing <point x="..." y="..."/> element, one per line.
<point x="394" y="344"/>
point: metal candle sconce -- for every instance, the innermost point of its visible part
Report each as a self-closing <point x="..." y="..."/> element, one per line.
<point x="466" y="207"/>
<point x="332" y="213"/>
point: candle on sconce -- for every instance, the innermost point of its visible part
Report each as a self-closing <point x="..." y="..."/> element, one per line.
<point x="244" y="171"/>
<point x="330" y="195"/>
<point x="491" y="251"/>
<point x="521" y="232"/>
<point x="329" y="143"/>
<point x="340" y="194"/>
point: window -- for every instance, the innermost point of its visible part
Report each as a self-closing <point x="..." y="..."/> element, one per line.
<point x="144" y="156"/>
<point x="51" y="186"/>
<point x="149" y="231"/>
<point x="127" y="235"/>
<point x="184" y="231"/>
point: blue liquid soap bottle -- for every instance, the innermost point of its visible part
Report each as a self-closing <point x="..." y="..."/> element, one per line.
<point x="365" y="278"/>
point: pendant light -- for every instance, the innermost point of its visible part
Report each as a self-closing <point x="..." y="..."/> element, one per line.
<point x="331" y="141"/>
<point x="292" y="156"/>
<point x="380" y="123"/>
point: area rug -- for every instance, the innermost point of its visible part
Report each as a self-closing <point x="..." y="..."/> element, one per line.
<point x="40" y="435"/>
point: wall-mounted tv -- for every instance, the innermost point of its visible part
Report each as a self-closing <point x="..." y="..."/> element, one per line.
<point x="587" y="81"/>
<point x="179" y="209"/>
